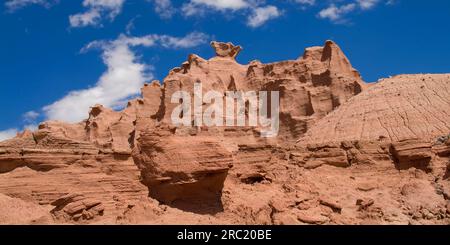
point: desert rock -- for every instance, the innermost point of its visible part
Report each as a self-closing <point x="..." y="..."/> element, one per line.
<point x="347" y="152"/>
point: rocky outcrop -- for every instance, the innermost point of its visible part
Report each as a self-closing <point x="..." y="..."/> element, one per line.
<point x="42" y="166"/>
<point x="327" y="154"/>
<point x="186" y="177"/>
<point x="226" y="49"/>
<point x="340" y="154"/>
<point x="399" y="108"/>
<point x="310" y="87"/>
<point x="76" y="207"/>
<point x="402" y="117"/>
<point x="346" y="152"/>
<point x="412" y="152"/>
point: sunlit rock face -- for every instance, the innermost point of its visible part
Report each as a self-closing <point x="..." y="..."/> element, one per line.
<point x="346" y="152"/>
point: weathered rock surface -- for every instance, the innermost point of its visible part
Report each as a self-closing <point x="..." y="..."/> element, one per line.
<point x="412" y="152"/>
<point x="76" y="207"/>
<point x="226" y="49"/>
<point x="394" y="109"/>
<point x="17" y="211"/>
<point x="346" y="152"/>
<point x="186" y="177"/>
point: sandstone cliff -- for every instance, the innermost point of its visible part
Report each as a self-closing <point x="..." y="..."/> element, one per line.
<point x="346" y="153"/>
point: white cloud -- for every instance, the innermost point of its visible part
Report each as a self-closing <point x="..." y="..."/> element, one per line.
<point x="30" y="116"/>
<point x="198" y="7"/>
<point x="96" y="11"/>
<point x="130" y="25"/>
<point x="164" y="8"/>
<point x="13" y="5"/>
<point x="257" y="12"/>
<point x="12" y="132"/>
<point x="335" y="13"/>
<point x="191" y="40"/>
<point x="193" y="6"/>
<point x="367" y="4"/>
<point x="91" y="17"/>
<point x="124" y="76"/>
<point x="263" y="14"/>
<point x="8" y="134"/>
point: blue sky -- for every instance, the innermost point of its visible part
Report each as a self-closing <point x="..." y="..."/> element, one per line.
<point x="60" y="56"/>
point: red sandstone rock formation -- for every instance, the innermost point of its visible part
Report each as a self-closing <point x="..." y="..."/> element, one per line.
<point x="394" y="109"/>
<point x="346" y="153"/>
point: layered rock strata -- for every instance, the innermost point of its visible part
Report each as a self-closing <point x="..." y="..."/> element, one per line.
<point x="346" y="152"/>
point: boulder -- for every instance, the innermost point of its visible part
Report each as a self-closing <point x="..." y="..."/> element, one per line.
<point x="76" y="207"/>
<point x="412" y="153"/>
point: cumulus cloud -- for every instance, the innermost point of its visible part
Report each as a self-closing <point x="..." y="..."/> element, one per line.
<point x="8" y="134"/>
<point x="124" y="77"/>
<point x="257" y="12"/>
<point x="262" y="14"/>
<point x="337" y="14"/>
<point x="96" y="11"/>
